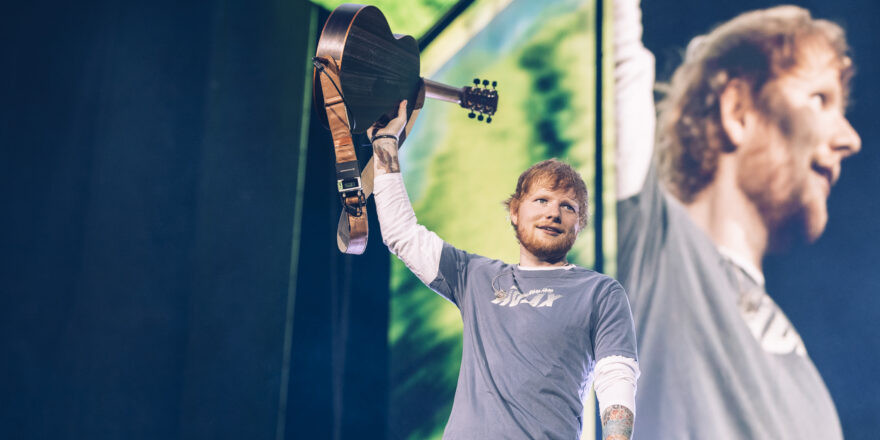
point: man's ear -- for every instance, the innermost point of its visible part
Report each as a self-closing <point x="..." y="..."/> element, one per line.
<point x="512" y="212"/>
<point x="735" y="103"/>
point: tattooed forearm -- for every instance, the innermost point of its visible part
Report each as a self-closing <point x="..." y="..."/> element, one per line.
<point x="385" y="156"/>
<point x="617" y="423"/>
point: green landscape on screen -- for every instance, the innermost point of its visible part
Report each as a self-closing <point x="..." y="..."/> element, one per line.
<point x="458" y="171"/>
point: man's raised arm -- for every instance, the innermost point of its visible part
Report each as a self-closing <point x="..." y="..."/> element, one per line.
<point x="417" y="247"/>
<point x="634" y="113"/>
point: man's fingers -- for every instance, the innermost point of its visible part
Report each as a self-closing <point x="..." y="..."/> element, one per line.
<point x="383" y="121"/>
<point x="392" y="126"/>
<point x="401" y="111"/>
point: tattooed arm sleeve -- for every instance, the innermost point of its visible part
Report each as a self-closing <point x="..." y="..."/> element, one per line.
<point x="617" y="423"/>
<point x="385" y="157"/>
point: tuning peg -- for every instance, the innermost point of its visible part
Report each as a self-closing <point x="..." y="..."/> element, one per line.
<point x="480" y="118"/>
<point x="488" y="119"/>
<point x="476" y="81"/>
<point x="472" y="115"/>
<point x="494" y="83"/>
<point x="485" y="82"/>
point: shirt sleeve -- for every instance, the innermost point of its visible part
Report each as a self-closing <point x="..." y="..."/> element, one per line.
<point x="634" y="114"/>
<point x="615" y="382"/>
<point x="642" y="204"/>
<point x="452" y="274"/>
<point x="612" y="324"/>
<point x="414" y="244"/>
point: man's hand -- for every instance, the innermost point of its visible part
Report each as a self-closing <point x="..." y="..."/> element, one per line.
<point x="385" y="148"/>
<point x="394" y="127"/>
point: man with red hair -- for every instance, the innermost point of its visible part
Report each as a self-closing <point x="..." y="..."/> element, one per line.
<point x="750" y="138"/>
<point x="536" y="334"/>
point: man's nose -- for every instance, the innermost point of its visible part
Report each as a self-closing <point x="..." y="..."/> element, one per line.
<point x="553" y="211"/>
<point x="846" y="140"/>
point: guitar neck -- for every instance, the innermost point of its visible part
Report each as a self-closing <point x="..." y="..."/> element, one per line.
<point x="435" y="90"/>
<point x="475" y="99"/>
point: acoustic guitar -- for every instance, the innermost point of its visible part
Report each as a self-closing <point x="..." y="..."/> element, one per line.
<point x="362" y="71"/>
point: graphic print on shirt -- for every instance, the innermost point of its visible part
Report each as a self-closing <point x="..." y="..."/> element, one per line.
<point x="535" y="297"/>
<point x="769" y="325"/>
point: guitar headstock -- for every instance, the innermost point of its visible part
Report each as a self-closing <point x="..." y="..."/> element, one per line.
<point x="480" y="100"/>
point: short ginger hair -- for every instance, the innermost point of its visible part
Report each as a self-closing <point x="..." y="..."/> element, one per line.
<point x="756" y="47"/>
<point x="553" y="174"/>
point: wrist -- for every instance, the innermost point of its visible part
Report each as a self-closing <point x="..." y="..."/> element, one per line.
<point x="385" y="143"/>
<point x="380" y="137"/>
<point x="385" y="155"/>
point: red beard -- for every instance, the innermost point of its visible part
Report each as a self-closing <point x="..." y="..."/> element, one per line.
<point x="546" y="247"/>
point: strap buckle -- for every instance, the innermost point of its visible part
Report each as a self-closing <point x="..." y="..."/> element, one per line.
<point x="348" y="185"/>
<point x="351" y="189"/>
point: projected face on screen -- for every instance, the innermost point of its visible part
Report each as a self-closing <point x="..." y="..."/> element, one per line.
<point x="792" y="156"/>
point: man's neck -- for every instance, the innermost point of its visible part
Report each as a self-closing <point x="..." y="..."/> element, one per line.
<point x="731" y="221"/>
<point x="527" y="259"/>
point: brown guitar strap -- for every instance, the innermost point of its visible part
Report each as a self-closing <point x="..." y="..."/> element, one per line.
<point x="353" y="185"/>
<point x="352" y="231"/>
<point x="342" y="230"/>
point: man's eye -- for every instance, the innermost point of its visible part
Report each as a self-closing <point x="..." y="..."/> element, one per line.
<point x="539" y="200"/>
<point x="819" y="100"/>
<point x="569" y="207"/>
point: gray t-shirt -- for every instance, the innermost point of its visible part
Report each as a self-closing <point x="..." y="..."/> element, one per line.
<point x="719" y="359"/>
<point x="528" y="353"/>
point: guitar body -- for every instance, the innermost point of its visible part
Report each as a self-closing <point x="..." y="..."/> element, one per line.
<point x="377" y="69"/>
<point x="362" y="72"/>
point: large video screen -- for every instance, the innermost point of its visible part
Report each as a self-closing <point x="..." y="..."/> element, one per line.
<point x="458" y="171"/>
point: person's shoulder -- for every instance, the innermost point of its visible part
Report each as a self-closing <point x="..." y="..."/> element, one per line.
<point x="473" y="260"/>
<point x="482" y="261"/>
<point x="599" y="279"/>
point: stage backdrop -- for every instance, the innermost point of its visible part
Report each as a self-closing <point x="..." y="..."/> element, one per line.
<point x="458" y="172"/>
